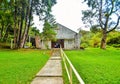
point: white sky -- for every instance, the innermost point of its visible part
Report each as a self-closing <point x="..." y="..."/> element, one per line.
<point x="67" y="13"/>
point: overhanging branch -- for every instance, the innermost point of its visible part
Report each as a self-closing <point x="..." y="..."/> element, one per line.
<point x="115" y="25"/>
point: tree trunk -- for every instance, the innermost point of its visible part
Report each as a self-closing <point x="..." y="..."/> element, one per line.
<point x="37" y="42"/>
<point x="26" y="28"/>
<point x="15" y="29"/>
<point x="18" y="31"/>
<point x="29" y="14"/>
<point x="29" y="22"/>
<point x="21" y="26"/>
<point x="103" y="40"/>
<point x="1" y="35"/>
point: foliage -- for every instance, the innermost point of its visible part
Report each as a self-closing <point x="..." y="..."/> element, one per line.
<point x="114" y="39"/>
<point x="16" y="18"/>
<point x="102" y="12"/>
<point x="84" y="45"/>
<point x="96" y="66"/>
<point x="85" y="37"/>
<point x="21" y="66"/>
<point x="47" y="47"/>
<point x="90" y="39"/>
<point x="6" y="21"/>
<point x="95" y="40"/>
<point x="28" y="44"/>
<point x="5" y="45"/>
<point x="34" y="31"/>
<point x="95" y="29"/>
<point x="48" y="32"/>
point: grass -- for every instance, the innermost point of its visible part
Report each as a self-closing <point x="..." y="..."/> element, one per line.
<point x="96" y="66"/>
<point x="20" y="66"/>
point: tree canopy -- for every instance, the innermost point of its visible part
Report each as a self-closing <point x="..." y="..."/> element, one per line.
<point x="104" y="13"/>
<point x="16" y="18"/>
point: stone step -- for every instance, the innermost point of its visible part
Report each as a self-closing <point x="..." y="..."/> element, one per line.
<point x="55" y="58"/>
<point x="47" y="80"/>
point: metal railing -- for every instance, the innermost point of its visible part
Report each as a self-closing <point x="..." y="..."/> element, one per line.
<point x="70" y="69"/>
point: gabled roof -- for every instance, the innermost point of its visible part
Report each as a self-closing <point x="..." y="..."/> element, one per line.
<point x="64" y="32"/>
<point x="66" y="27"/>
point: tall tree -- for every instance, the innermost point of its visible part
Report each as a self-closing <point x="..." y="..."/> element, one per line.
<point x="27" y="14"/>
<point x="103" y="12"/>
<point x="6" y="20"/>
<point x="21" y="22"/>
<point x="48" y="32"/>
<point x="42" y="8"/>
<point x="15" y="24"/>
<point x="18" y="14"/>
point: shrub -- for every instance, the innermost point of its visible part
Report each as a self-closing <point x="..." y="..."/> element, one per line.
<point x="84" y="45"/>
<point x="114" y="40"/>
<point x="28" y="44"/>
<point x="95" y="40"/>
<point x="116" y="45"/>
<point x="5" y="45"/>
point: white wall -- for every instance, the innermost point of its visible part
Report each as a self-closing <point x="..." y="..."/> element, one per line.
<point x="45" y="44"/>
<point x="69" y="44"/>
<point x="77" y="41"/>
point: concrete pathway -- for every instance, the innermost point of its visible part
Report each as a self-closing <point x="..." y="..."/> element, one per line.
<point x="51" y="73"/>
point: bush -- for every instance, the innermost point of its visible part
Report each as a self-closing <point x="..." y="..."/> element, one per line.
<point x="84" y="45"/>
<point x="46" y="45"/>
<point x="5" y="45"/>
<point x="95" y="40"/>
<point x="28" y="44"/>
<point x="114" y="40"/>
<point x="116" y="45"/>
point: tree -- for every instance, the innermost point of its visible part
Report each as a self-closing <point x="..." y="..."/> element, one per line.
<point x="35" y="31"/>
<point x="85" y="37"/>
<point x="48" y="32"/>
<point x="103" y="12"/>
<point x="18" y="15"/>
<point x="6" y="20"/>
<point x="95" y="29"/>
<point x="42" y="8"/>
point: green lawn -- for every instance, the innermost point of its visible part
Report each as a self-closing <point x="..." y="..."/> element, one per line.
<point x="96" y="66"/>
<point x="20" y="66"/>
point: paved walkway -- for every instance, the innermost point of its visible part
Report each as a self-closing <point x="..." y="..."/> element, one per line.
<point x="51" y="73"/>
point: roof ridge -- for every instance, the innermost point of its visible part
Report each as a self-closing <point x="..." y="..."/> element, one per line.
<point x="67" y="27"/>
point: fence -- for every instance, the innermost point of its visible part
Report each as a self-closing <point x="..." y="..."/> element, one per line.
<point x="71" y="68"/>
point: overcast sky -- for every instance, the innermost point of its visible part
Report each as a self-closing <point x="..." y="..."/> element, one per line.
<point x="67" y="13"/>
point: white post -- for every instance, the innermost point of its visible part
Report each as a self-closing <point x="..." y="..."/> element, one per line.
<point x="11" y="44"/>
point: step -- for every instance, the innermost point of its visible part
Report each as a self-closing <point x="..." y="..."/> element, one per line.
<point x="47" y="80"/>
<point x="55" y="58"/>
